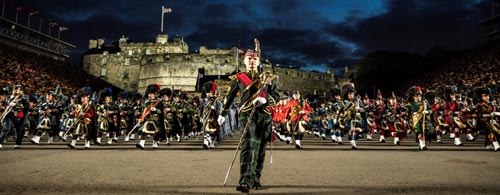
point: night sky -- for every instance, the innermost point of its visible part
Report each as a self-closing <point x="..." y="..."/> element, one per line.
<point x="312" y="34"/>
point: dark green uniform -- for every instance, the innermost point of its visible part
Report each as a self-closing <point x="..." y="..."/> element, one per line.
<point x="255" y="139"/>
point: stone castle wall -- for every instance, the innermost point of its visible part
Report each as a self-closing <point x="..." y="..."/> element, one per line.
<point x="169" y="64"/>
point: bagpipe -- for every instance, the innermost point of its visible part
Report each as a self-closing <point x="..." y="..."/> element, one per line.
<point x="9" y="108"/>
<point x="145" y="113"/>
<point x="79" y="116"/>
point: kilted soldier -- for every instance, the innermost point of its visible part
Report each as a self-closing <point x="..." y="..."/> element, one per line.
<point x="453" y="114"/>
<point x="107" y="116"/>
<point x="84" y="118"/>
<point x="279" y="119"/>
<point x="298" y="116"/>
<point x="68" y="118"/>
<point x="490" y="117"/>
<point x="253" y="147"/>
<point x="438" y="114"/>
<point x="189" y="113"/>
<point x="151" y="120"/>
<point x="14" y="116"/>
<point x="211" y="106"/>
<point x="398" y="127"/>
<point x="126" y="114"/>
<point x="171" y="123"/>
<point x="375" y="117"/>
<point x="180" y="109"/>
<point x="351" y="117"/>
<point x="470" y="114"/>
<point x="137" y="107"/>
<point x="323" y="118"/>
<point x="49" y="112"/>
<point x="419" y="111"/>
<point x="337" y="107"/>
<point x="33" y="116"/>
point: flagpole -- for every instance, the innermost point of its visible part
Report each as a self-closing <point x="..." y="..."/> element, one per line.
<point x="3" y="8"/>
<point x="162" y="8"/>
<point x="59" y="34"/>
<point x="40" y="25"/>
<point x="17" y="13"/>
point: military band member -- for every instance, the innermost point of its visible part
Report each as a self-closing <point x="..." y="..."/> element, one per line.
<point x="107" y="117"/>
<point x="419" y="110"/>
<point x="489" y="114"/>
<point x="336" y="109"/>
<point x="126" y="114"/>
<point x="84" y="118"/>
<point x="14" y="116"/>
<point x="171" y="123"/>
<point x="438" y="114"/>
<point x="298" y="116"/>
<point x="351" y="117"/>
<point x="181" y="114"/>
<point x="470" y="114"/>
<point x="253" y="148"/>
<point x="48" y="120"/>
<point x="151" y="120"/>
<point x="33" y="116"/>
<point x="137" y="109"/>
<point x="453" y="114"/>
<point x="211" y="106"/>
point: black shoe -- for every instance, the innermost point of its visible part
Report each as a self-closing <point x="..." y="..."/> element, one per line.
<point x="382" y="141"/>
<point x="354" y="148"/>
<point x="256" y="185"/>
<point x="334" y="141"/>
<point x="139" y="146"/>
<point x="424" y="148"/>
<point x="244" y="188"/>
<point x="205" y="146"/>
<point x="71" y="146"/>
<point x="298" y="147"/>
<point x="398" y="143"/>
<point x="341" y="143"/>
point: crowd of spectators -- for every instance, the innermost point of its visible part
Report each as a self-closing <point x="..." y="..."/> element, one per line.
<point x="470" y="69"/>
<point x="39" y="74"/>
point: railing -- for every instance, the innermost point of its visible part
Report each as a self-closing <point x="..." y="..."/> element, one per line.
<point x="35" y="42"/>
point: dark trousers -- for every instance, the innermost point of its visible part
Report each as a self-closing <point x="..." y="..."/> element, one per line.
<point x="253" y="147"/>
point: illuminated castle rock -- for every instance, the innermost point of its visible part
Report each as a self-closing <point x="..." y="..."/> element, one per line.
<point x="132" y="66"/>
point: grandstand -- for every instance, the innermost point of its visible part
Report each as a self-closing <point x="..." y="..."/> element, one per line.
<point x="24" y="38"/>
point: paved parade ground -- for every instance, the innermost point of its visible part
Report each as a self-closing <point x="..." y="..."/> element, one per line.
<point x="184" y="168"/>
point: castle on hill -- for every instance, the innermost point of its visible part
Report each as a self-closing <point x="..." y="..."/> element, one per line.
<point x="133" y="66"/>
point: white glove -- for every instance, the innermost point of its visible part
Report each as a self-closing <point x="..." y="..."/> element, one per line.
<point x="212" y="107"/>
<point x="153" y="109"/>
<point x="221" y="120"/>
<point x="259" y="101"/>
<point x="302" y="112"/>
<point x="426" y="112"/>
<point x="12" y="104"/>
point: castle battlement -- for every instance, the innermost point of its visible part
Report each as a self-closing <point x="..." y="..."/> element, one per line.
<point x="133" y="66"/>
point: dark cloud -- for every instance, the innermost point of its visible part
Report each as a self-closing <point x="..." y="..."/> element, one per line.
<point x="416" y="26"/>
<point x="292" y="32"/>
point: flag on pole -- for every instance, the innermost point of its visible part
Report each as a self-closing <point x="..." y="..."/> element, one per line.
<point x="33" y="13"/>
<point x="62" y="28"/>
<point x="19" y="9"/>
<point x="52" y="24"/>
<point x="166" y="10"/>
